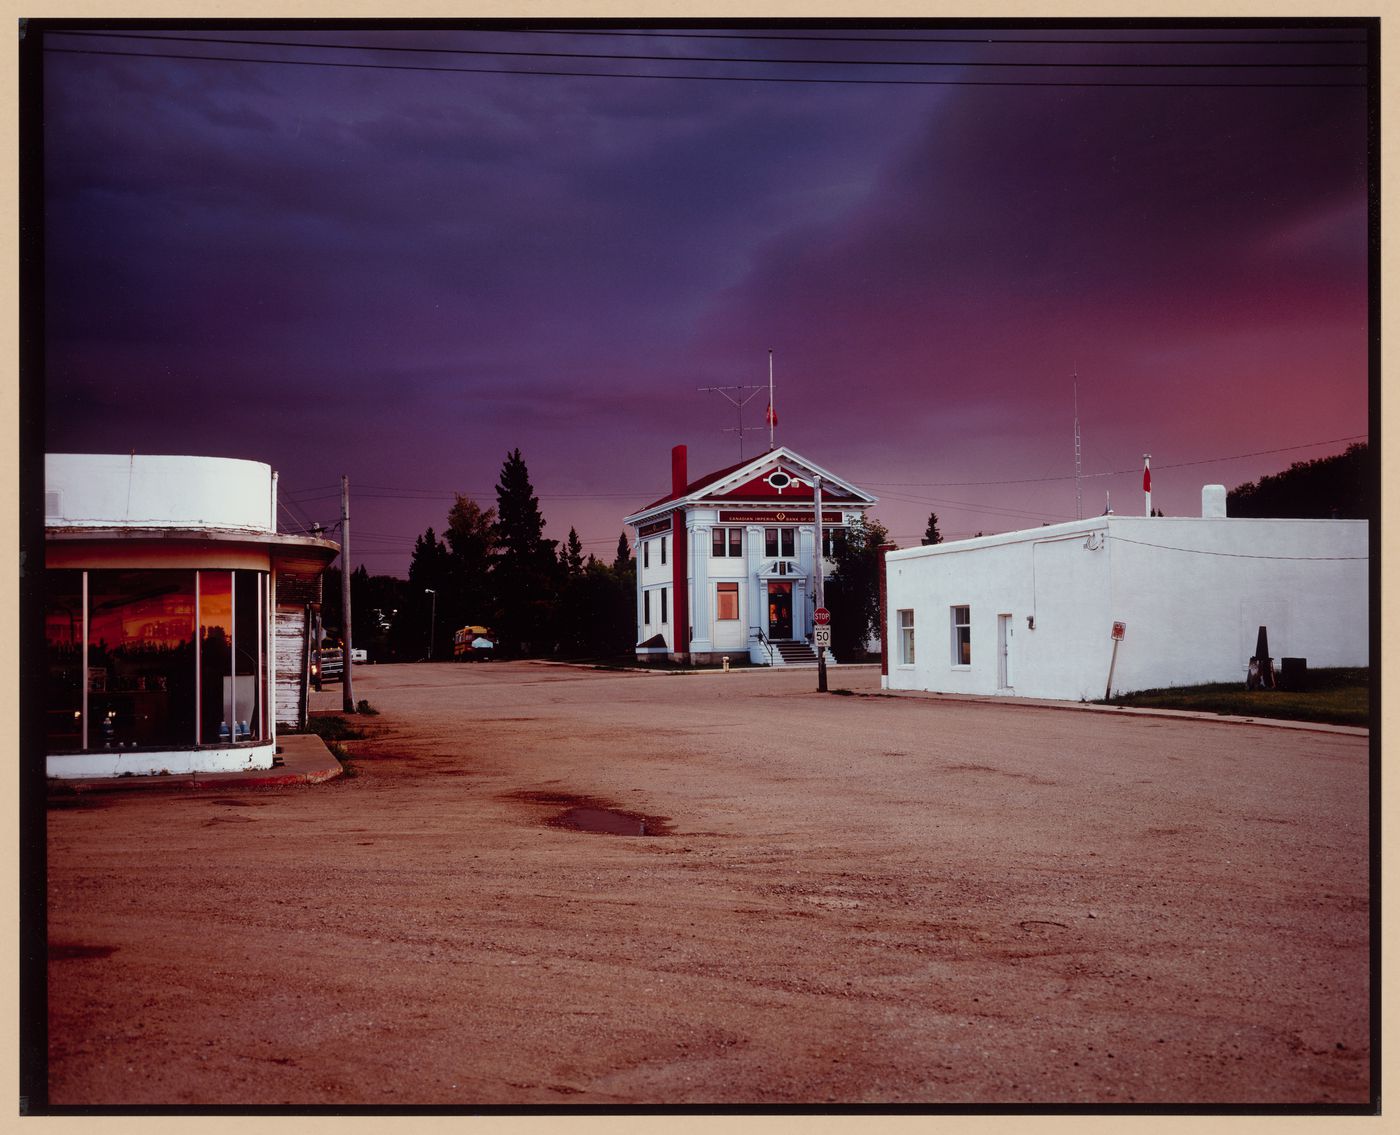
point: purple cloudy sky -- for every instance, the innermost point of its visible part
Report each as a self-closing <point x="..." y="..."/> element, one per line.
<point x="401" y="275"/>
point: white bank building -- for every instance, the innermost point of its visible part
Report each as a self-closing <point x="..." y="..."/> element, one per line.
<point x="1038" y="613"/>
<point x="726" y="563"/>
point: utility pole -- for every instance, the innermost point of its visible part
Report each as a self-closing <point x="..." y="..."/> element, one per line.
<point x="820" y="592"/>
<point x="347" y="688"/>
<point x="432" y="620"/>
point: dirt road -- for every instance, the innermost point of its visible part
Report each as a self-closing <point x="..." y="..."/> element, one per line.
<point x="858" y="899"/>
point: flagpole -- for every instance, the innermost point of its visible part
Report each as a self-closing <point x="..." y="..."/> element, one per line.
<point x="1147" y="481"/>
<point x="772" y="417"/>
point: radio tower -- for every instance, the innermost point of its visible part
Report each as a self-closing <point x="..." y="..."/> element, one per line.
<point x="1078" y="486"/>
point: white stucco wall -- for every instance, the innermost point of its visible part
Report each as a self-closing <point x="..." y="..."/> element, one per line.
<point x="1192" y="592"/>
<point x="149" y="491"/>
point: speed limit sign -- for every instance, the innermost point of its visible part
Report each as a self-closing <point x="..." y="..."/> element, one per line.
<point x="822" y="636"/>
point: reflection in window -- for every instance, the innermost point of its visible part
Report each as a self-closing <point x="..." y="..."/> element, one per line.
<point x="215" y="657"/>
<point x="726" y="601"/>
<point x="962" y="636"/>
<point x="145" y="687"/>
<point x="63" y="634"/>
<point x="249" y="680"/>
<point x="140" y="659"/>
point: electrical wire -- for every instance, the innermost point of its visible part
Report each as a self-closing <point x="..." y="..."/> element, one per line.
<point x="703" y="78"/>
<point x="611" y="57"/>
<point x="1230" y="555"/>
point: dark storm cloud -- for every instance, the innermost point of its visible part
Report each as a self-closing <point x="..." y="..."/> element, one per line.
<point x="433" y="269"/>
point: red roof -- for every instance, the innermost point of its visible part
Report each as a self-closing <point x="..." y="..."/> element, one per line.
<point x="698" y="484"/>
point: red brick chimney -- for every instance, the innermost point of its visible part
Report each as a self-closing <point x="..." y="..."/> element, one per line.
<point x="679" y="480"/>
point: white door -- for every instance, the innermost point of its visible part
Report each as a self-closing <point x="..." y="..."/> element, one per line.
<point x="1003" y="652"/>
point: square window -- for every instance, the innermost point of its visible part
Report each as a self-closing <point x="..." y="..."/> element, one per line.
<point x="726" y="601"/>
<point x="962" y="636"/>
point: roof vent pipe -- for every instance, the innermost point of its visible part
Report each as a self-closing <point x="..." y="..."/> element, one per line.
<point x="678" y="477"/>
<point x="1213" y="500"/>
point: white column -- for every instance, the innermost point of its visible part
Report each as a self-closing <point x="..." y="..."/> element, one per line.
<point x="700" y="597"/>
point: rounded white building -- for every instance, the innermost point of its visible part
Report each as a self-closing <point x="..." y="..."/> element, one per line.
<point x="163" y="576"/>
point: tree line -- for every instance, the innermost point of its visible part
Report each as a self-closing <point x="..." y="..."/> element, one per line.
<point x="493" y="567"/>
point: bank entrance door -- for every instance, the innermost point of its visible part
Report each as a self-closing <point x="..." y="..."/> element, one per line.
<point x="779" y="610"/>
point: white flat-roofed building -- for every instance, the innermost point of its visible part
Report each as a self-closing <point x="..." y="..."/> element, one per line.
<point x="1035" y="613"/>
<point x="175" y="614"/>
<point x="726" y="562"/>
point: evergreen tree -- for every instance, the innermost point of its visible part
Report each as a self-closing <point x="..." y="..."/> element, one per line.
<point x="525" y="569"/>
<point x="571" y="559"/>
<point x="853" y="592"/>
<point x="428" y="569"/>
<point x="623" y="560"/>
<point x="931" y="533"/>
<point x="472" y="541"/>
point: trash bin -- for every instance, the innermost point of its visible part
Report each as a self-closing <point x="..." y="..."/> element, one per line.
<point x="1294" y="675"/>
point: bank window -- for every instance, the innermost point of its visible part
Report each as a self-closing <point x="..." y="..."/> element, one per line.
<point x="779" y="542"/>
<point x="663" y="605"/>
<point x="663" y="549"/>
<point x="726" y="601"/>
<point x="727" y="542"/>
<point x="962" y="636"/>
<point x="833" y="541"/>
<point x="906" y="638"/>
<point x="646" y="553"/>
<point x="646" y="606"/>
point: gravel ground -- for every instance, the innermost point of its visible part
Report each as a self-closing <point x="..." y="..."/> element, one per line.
<point x="838" y="900"/>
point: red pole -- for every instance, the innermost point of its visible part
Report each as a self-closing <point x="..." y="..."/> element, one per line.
<point x="885" y="549"/>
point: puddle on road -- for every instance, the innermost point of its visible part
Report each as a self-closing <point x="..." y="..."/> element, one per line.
<point x="585" y="814"/>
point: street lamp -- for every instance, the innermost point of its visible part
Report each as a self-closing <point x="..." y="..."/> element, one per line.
<point x="432" y="620"/>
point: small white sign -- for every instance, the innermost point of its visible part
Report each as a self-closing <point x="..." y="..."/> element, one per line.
<point x="822" y="636"/>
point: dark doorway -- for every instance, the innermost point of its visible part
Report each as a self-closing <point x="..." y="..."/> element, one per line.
<point x="779" y="610"/>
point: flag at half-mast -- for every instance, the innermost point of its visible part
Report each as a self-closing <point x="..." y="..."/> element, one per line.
<point x="1146" y="476"/>
<point x="772" y="415"/>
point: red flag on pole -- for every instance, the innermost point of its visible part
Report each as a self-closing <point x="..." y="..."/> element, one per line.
<point x="772" y="416"/>
<point x="1146" y="479"/>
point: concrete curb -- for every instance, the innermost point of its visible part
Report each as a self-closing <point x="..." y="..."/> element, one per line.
<point x="304" y="756"/>
<point x="1129" y="711"/>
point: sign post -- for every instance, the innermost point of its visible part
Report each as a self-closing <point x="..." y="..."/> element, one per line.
<point x="820" y="596"/>
<point x="1119" y="629"/>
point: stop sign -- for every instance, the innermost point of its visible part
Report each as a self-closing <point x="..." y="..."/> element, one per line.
<point x="821" y="616"/>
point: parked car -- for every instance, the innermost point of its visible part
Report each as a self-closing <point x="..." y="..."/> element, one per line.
<point x="332" y="665"/>
<point x="358" y="655"/>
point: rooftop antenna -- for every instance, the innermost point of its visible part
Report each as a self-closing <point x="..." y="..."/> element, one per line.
<point x="1078" y="469"/>
<point x="738" y="398"/>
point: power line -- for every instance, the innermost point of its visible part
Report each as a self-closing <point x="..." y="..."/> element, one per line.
<point x="698" y="78"/>
<point x="1074" y="40"/>
<point x="768" y="59"/>
<point x="1117" y="473"/>
<point x="1230" y="555"/>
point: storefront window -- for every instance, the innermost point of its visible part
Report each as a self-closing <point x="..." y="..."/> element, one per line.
<point x="63" y="632"/>
<point x="215" y="657"/>
<point x="248" y="661"/>
<point x="145" y="688"/>
<point x="140" y="659"/>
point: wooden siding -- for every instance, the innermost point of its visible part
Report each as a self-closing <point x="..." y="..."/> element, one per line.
<point x="289" y="654"/>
